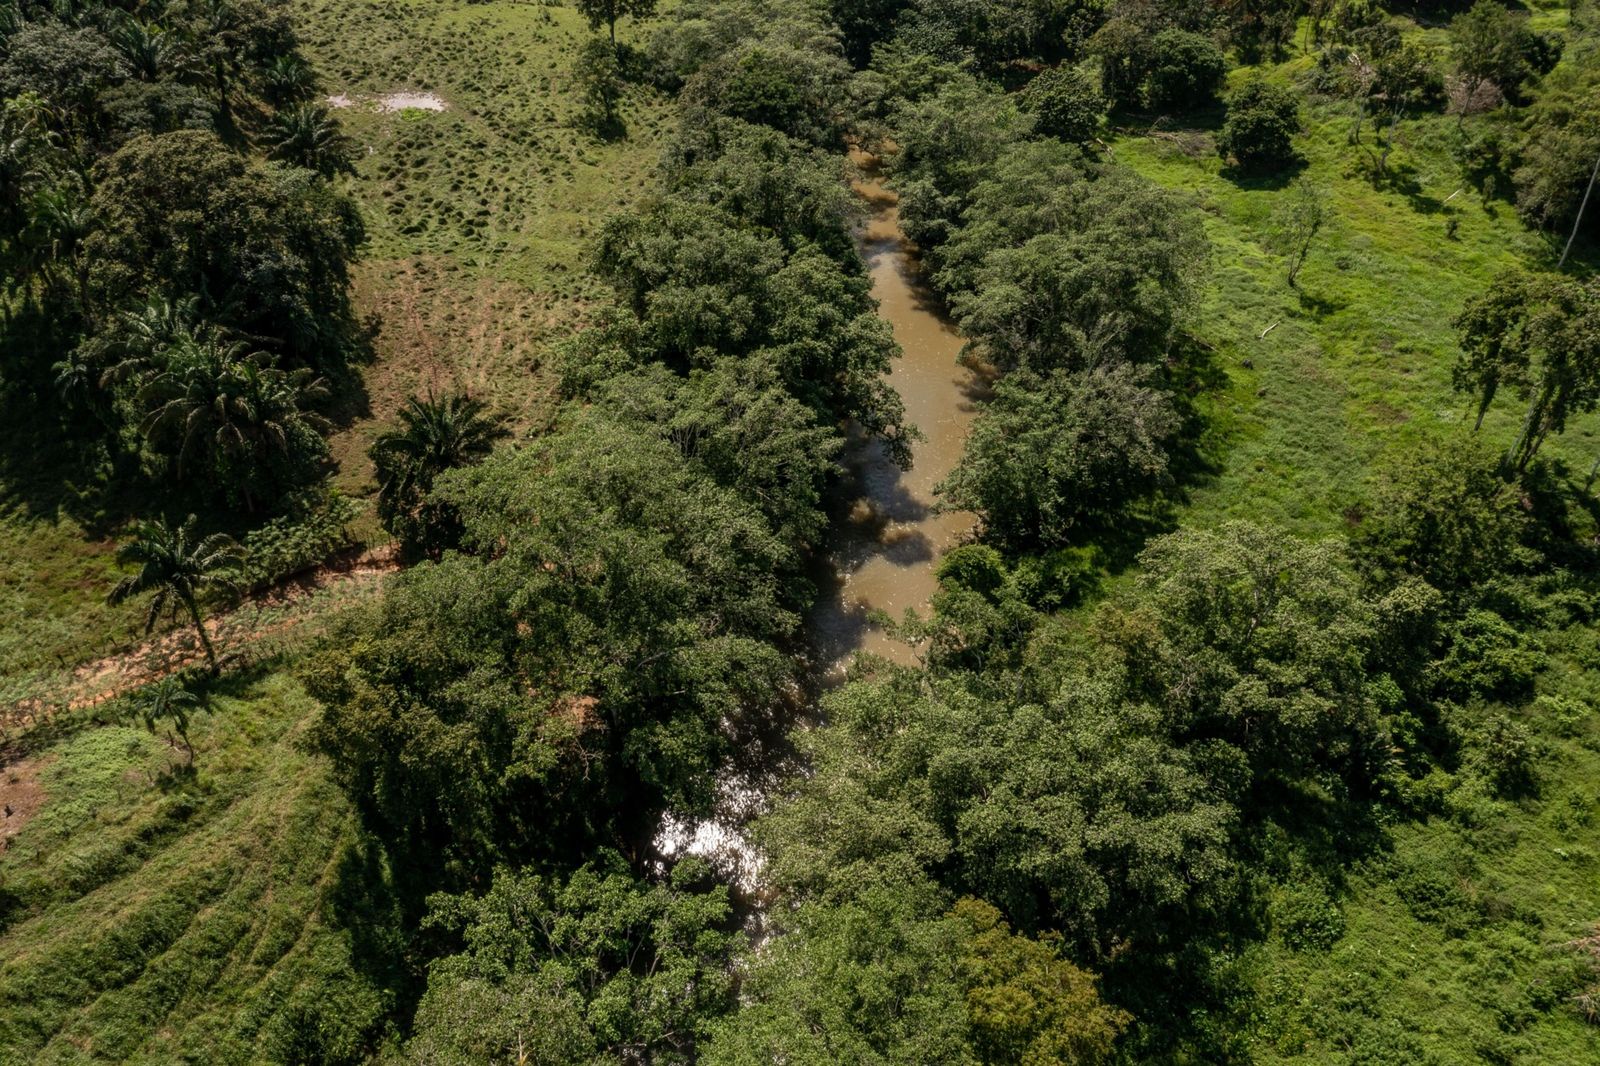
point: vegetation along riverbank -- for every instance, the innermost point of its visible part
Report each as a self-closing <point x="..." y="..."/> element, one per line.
<point x="795" y="531"/>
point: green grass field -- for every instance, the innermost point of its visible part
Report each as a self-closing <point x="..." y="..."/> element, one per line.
<point x="157" y="915"/>
<point x="1457" y="941"/>
<point x="1355" y="363"/>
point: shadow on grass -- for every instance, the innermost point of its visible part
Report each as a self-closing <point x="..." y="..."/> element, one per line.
<point x="1319" y="306"/>
<point x="1276" y="179"/>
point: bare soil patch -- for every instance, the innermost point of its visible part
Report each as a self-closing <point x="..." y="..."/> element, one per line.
<point x="21" y="796"/>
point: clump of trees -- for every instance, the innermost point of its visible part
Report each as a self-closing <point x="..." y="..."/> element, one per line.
<point x="1539" y="335"/>
<point x="171" y="225"/>
<point x="1259" y="132"/>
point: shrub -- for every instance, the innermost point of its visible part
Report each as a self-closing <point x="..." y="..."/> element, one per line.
<point x="1066" y="104"/>
<point x="1488" y="657"/>
<point x="1259" y="132"/>
<point x="1186" y="72"/>
<point x="1307" y="917"/>
<point x="292" y="543"/>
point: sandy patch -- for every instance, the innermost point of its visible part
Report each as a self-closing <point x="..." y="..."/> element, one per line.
<point x="20" y="797"/>
<point x="411" y="102"/>
<point x="388" y="103"/>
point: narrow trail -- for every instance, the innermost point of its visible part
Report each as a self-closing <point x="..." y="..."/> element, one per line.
<point x="888" y="536"/>
<point x="274" y="612"/>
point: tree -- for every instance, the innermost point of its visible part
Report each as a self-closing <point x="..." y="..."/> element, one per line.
<point x="176" y="567"/>
<point x="1186" y="71"/>
<point x="246" y="419"/>
<point x="266" y="247"/>
<point x="1491" y="44"/>
<point x="891" y="976"/>
<point x="1295" y="224"/>
<point x="599" y="78"/>
<point x="1444" y="514"/>
<point x="1065" y="104"/>
<point x="1058" y="268"/>
<point x="1047" y="455"/>
<point x="434" y="435"/>
<point x="591" y="968"/>
<point x="608" y="12"/>
<point x="1539" y="334"/>
<point x="1259" y="131"/>
<point x="1558" y="151"/>
<point x="307" y="135"/>
<point x="1250" y="636"/>
<point x="168" y="700"/>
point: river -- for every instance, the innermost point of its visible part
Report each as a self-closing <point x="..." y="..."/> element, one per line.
<point x="887" y="535"/>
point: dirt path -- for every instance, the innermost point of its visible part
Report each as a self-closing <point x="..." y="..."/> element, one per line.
<point x="275" y="612"/>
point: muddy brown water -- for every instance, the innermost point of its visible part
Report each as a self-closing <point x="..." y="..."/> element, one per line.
<point x="888" y="535"/>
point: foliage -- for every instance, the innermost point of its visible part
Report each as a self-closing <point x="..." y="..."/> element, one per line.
<point x="1248" y="636"/>
<point x="1490" y="43"/>
<point x="578" y="667"/>
<point x="434" y="435"/>
<point x="598" y="72"/>
<point x="1066" y="104"/>
<point x="176" y="567"/>
<point x="1559" y="145"/>
<point x="1048" y="455"/>
<point x="592" y="968"/>
<point x="292" y="543"/>
<point x="1443" y="514"/>
<point x="885" y="977"/>
<point x="1296" y="223"/>
<point x="1060" y="265"/>
<point x="265" y="248"/>
<point x="1259" y="132"/>
<point x="1540" y="335"/>
<point x="167" y="700"/>
<point x="608" y="12"/>
<point x="1186" y="71"/>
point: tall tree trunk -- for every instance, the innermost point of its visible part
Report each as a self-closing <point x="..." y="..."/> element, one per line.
<point x="200" y="630"/>
<point x="1483" y="407"/>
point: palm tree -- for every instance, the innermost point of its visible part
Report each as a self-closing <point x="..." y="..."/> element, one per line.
<point x="139" y="338"/>
<point x="175" y="568"/>
<point x="434" y="435"/>
<point x="216" y="396"/>
<point x="150" y="50"/>
<point x="168" y="699"/>
<point x="307" y="135"/>
<point x="288" y="79"/>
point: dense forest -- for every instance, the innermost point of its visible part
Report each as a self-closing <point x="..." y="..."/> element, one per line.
<point x="448" y="443"/>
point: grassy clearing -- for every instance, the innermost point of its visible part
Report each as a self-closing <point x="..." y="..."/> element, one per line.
<point x="1455" y="943"/>
<point x="152" y="914"/>
<point x="480" y="214"/>
<point x="1357" y="361"/>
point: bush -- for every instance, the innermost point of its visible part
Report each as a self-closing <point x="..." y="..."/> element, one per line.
<point x="292" y="543"/>
<point x="1490" y="658"/>
<point x="1186" y="72"/>
<point x="1259" y="132"/>
<point x="1066" y="104"/>
<point x="1307" y="917"/>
